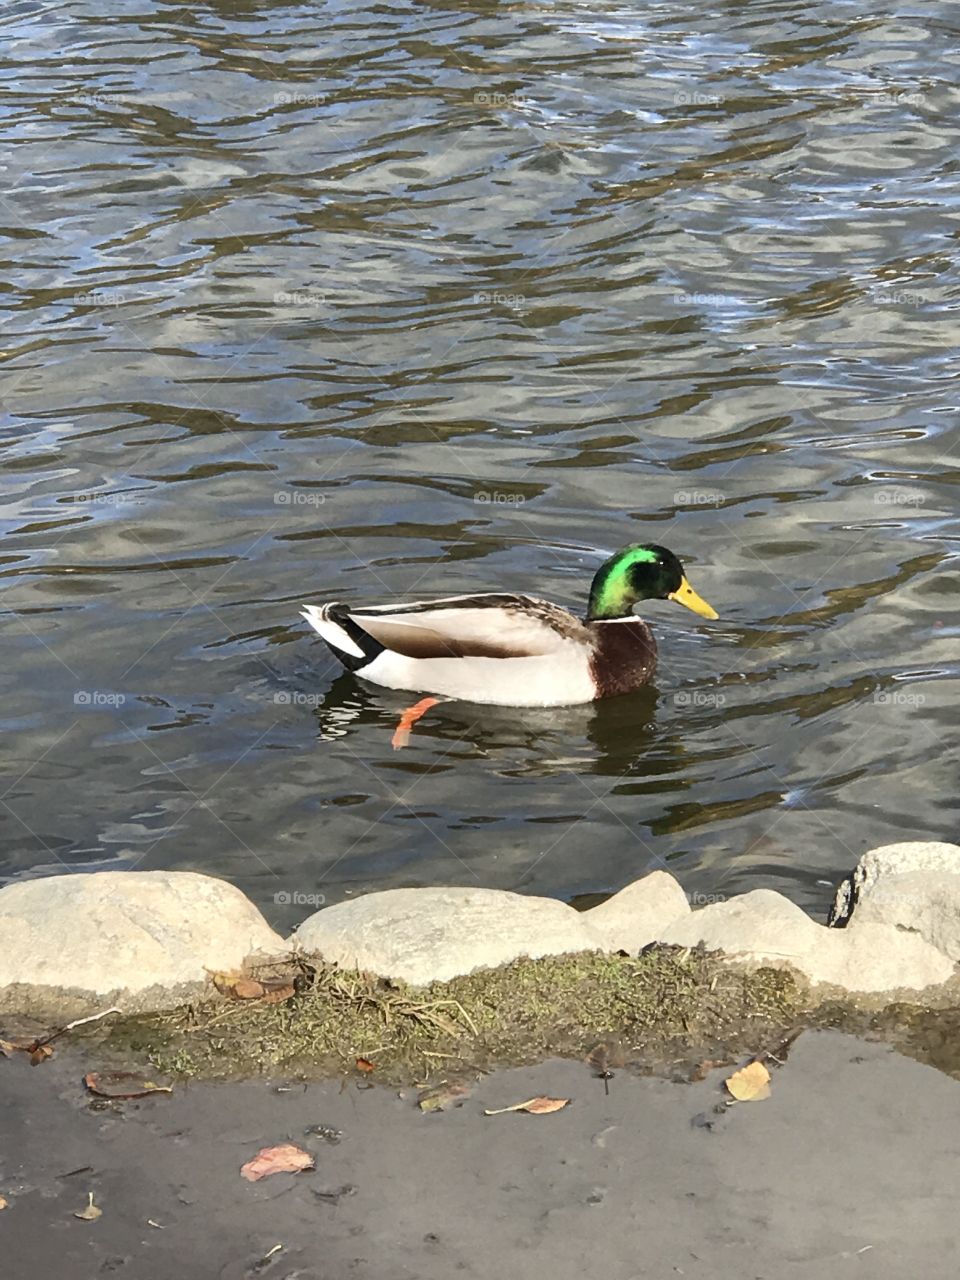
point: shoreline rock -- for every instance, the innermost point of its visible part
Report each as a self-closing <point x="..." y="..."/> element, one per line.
<point x="431" y="935"/>
<point x="925" y="904"/>
<point x="143" y="938"/>
<point x="764" y="927"/>
<point x="890" y="860"/>
<point x="149" y="939"/>
<point x="640" y="913"/>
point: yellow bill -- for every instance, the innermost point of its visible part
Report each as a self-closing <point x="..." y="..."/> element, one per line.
<point x="686" y="595"/>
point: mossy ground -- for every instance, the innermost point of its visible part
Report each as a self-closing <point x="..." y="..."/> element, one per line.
<point x="667" y="1006"/>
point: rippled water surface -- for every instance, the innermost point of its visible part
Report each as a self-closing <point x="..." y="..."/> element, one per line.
<point x="370" y="301"/>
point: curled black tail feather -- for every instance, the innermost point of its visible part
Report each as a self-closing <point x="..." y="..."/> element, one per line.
<point x="369" y="647"/>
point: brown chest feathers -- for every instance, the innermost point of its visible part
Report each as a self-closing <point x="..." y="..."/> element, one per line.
<point x="624" y="657"/>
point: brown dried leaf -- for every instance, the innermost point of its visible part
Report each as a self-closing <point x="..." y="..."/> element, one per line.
<point x="247" y="989"/>
<point x="545" y="1106"/>
<point x="114" y="1084"/>
<point x="751" y="1084"/>
<point x="598" y="1057"/>
<point x="277" y="990"/>
<point x="535" y="1106"/>
<point x="606" y="1055"/>
<point x="38" y="1050"/>
<point x="703" y="1069"/>
<point x="285" y="1158"/>
<point x="443" y="1097"/>
<point x="239" y="986"/>
<point x="91" y="1213"/>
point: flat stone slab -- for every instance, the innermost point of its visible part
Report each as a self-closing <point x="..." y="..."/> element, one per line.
<point x="120" y="933"/>
<point x="764" y="927"/>
<point x="427" y="935"/>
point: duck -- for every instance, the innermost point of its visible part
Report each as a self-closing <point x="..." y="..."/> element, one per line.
<point x="514" y="650"/>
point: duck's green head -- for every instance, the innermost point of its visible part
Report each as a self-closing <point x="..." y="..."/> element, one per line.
<point x="641" y="572"/>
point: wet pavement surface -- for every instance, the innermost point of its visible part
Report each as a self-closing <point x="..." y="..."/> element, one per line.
<point x="849" y="1168"/>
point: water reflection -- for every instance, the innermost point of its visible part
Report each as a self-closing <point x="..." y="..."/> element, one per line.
<point x="382" y="302"/>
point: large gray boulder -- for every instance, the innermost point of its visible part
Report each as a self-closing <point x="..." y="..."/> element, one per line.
<point x="120" y="934"/>
<point x="761" y="924"/>
<point x="638" y="914"/>
<point x="890" y="860"/>
<point x="764" y="927"/>
<point x="925" y="903"/>
<point x="426" y="935"/>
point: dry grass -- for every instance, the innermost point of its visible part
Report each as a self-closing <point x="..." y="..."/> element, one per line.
<point x="667" y="1006"/>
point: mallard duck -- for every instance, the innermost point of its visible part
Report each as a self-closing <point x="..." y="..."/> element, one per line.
<point x="514" y="650"/>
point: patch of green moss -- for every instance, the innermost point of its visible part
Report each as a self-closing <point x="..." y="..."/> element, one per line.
<point x="666" y="1006"/>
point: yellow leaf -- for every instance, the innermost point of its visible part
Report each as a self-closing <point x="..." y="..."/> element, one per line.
<point x="535" y="1106"/>
<point x="91" y="1213"/>
<point x="224" y="979"/>
<point x="751" y="1084"/>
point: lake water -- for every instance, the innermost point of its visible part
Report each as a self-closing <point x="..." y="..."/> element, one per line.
<point x="371" y="301"/>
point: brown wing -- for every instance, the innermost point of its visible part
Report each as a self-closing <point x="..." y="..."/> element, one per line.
<point x="487" y="626"/>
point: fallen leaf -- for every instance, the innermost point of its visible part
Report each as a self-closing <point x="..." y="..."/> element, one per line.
<point x="535" y="1106"/>
<point x="39" y="1047"/>
<point x="238" y="986"/>
<point x="751" y="1084"/>
<point x="285" y="1158"/>
<point x="597" y="1058"/>
<point x="545" y="1106"/>
<point x="38" y="1050"/>
<point x="247" y="989"/>
<point x="276" y="990"/>
<point x="606" y="1055"/>
<point x="364" y="1064"/>
<point x="115" y="1084"/>
<point x="225" y="979"/>
<point x="703" y="1069"/>
<point x="603" y="1057"/>
<point x="443" y="1097"/>
<point x="91" y="1213"/>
